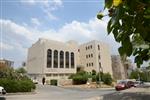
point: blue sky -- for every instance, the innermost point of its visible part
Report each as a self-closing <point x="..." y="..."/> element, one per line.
<point x="23" y="22"/>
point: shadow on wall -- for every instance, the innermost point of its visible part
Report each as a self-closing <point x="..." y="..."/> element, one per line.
<point x="2" y="98"/>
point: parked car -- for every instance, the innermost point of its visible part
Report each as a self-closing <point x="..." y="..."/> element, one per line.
<point x="138" y="83"/>
<point x="124" y="85"/>
<point x="2" y="90"/>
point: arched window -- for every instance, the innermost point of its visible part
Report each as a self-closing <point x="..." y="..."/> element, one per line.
<point x="49" y="58"/>
<point x="67" y="59"/>
<point x="72" y="60"/>
<point x="55" y="59"/>
<point x="61" y="59"/>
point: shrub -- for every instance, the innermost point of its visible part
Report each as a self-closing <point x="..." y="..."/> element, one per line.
<point x="13" y="85"/>
<point x="71" y="76"/>
<point x="106" y="78"/>
<point x="94" y="79"/>
<point x="80" y="79"/>
<point x="93" y="72"/>
<point x="53" y="82"/>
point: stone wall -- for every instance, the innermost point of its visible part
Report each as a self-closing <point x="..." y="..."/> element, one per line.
<point x="63" y="82"/>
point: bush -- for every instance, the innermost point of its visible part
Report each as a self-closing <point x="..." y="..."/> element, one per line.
<point x="93" y="72"/>
<point x="53" y="82"/>
<point x="106" y="78"/>
<point x="94" y="79"/>
<point x="80" y="79"/>
<point x="13" y="85"/>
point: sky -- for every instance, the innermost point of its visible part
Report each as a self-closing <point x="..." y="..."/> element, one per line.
<point x="23" y="22"/>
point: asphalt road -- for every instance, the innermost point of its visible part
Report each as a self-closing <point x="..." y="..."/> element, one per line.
<point x="126" y="96"/>
<point x="48" y="92"/>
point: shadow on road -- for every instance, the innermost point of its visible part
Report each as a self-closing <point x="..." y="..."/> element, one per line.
<point x="126" y="96"/>
<point x="2" y="98"/>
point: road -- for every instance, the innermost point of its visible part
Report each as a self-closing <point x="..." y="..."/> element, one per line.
<point x="47" y="92"/>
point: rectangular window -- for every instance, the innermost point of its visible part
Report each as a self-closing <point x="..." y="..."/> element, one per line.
<point x="98" y="47"/>
<point x="99" y="57"/>
<point x="89" y="64"/>
<point x="78" y="50"/>
<point x="86" y="56"/>
<point x="92" y="64"/>
<point x="91" y="55"/>
<point x="99" y="64"/>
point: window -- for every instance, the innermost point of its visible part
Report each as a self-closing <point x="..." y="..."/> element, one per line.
<point x="86" y="56"/>
<point x="49" y="58"/>
<point x="99" y="57"/>
<point x="91" y="55"/>
<point x="61" y="59"/>
<point x="55" y="59"/>
<point x="78" y="50"/>
<point x="67" y="59"/>
<point x="91" y="64"/>
<point x="87" y="65"/>
<point x="72" y="60"/>
<point x="86" y="48"/>
<point x="91" y="46"/>
<point x="99" y="64"/>
<point x="98" y="47"/>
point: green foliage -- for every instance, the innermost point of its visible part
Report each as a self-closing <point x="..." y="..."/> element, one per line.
<point x="130" y="24"/>
<point x="21" y="70"/>
<point x="107" y="79"/>
<point x="53" y="82"/>
<point x="13" y="81"/>
<point x="94" y="78"/>
<point x="143" y="76"/>
<point x="17" y="85"/>
<point x="134" y="74"/>
<point x="93" y="72"/>
<point x="80" y="77"/>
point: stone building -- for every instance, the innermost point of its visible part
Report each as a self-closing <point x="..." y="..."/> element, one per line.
<point x="57" y="60"/>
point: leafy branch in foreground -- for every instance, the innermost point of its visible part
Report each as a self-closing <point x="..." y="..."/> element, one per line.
<point x="130" y="24"/>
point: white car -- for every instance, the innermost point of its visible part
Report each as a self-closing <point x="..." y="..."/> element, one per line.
<point x="2" y="90"/>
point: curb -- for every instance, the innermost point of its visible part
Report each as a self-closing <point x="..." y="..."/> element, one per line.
<point x="20" y="93"/>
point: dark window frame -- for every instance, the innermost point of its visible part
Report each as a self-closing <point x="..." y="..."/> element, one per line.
<point x="61" y="58"/>
<point x="55" y="61"/>
<point x="49" y="58"/>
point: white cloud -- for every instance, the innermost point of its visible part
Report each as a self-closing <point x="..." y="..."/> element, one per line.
<point x="5" y="46"/>
<point x="48" y="6"/>
<point x="29" y="2"/>
<point x="21" y="37"/>
<point x="9" y="27"/>
<point x="35" y="21"/>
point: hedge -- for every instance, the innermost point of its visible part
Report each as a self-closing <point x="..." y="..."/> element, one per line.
<point x="80" y="79"/>
<point x="13" y="85"/>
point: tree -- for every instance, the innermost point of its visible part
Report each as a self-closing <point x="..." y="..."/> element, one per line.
<point x="21" y="70"/>
<point x="134" y="75"/>
<point x="130" y="24"/>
